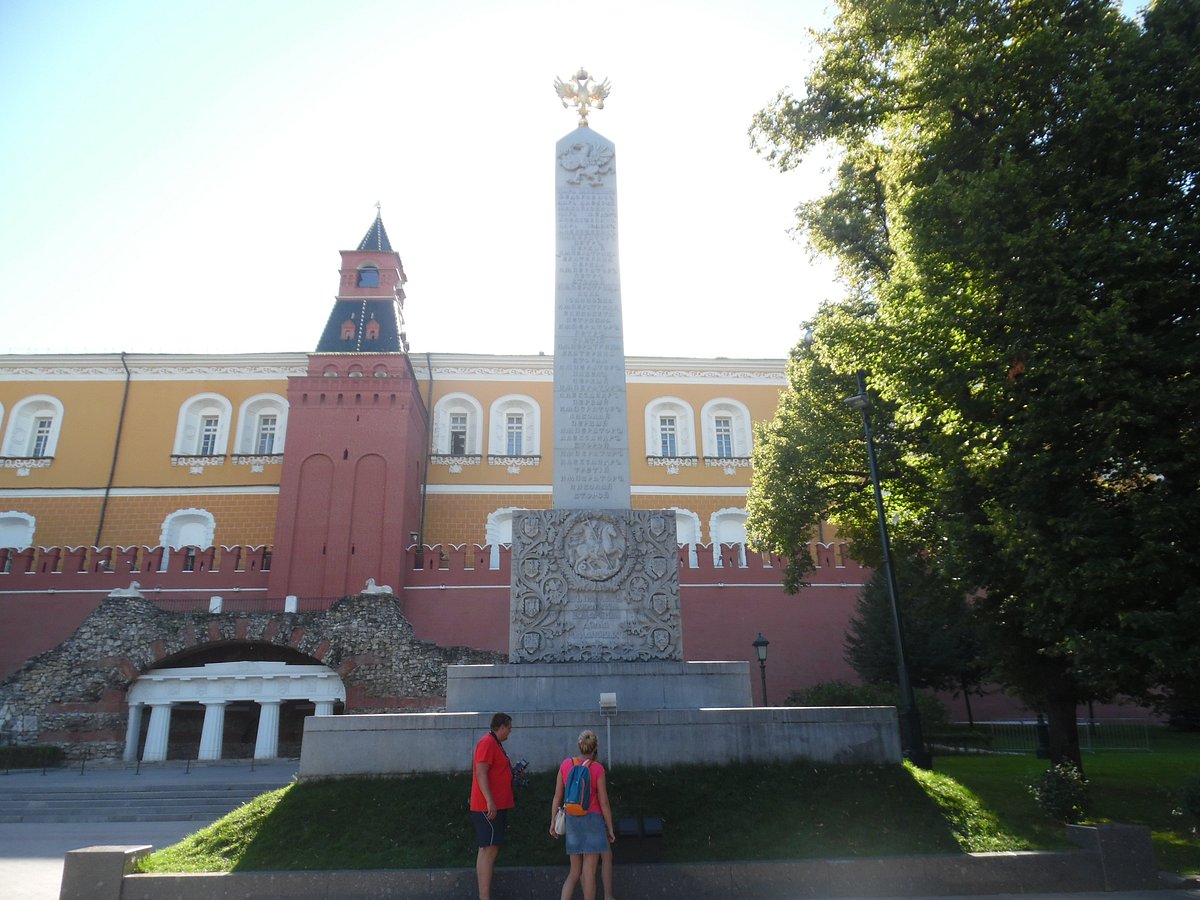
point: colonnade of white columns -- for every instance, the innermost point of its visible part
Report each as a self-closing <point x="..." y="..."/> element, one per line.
<point x="267" y="684"/>
<point x="266" y="742"/>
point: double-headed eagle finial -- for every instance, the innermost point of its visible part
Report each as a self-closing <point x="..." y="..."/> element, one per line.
<point x="584" y="92"/>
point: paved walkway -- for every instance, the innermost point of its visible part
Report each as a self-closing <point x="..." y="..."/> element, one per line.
<point x="31" y="854"/>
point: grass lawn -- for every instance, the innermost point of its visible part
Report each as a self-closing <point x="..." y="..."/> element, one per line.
<point x="783" y="811"/>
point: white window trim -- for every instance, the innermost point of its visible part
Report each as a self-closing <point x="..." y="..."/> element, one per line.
<point x="18" y="438"/>
<point x="498" y="532"/>
<point x="689" y="516"/>
<point x="30" y="523"/>
<point x="246" y="443"/>
<point x="457" y="402"/>
<point x="685" y="426"/>
<point x="729" y="512"/>
<point x="531" y="429"/>
<point x="187" y="430"/>
<point x="740" y="416"/>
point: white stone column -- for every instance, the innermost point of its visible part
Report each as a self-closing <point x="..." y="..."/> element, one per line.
<point x="159" y="731"/>
<point x="324" y="707"/>
<point x="133" y="730"/>
<point x="266" y="745"/>
<point x="213" y="735"/>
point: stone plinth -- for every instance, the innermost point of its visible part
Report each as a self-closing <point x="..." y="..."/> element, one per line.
<point x="542" y="687"/>
<point x="594" y="585"/>
<point x="443" y="742"/>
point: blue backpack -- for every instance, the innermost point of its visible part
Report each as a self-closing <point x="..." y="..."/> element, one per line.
<point x="578" y="792"/>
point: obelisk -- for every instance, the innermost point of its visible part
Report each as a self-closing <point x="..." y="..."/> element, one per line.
<point x="591" y="434"/>
<point x="593" y="580"/>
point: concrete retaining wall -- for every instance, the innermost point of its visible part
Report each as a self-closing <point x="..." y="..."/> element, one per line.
<point x="443" y="742"/>
<point x="1119" y="849"/>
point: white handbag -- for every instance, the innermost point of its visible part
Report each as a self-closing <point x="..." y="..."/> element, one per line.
<point x="560" y="822"/>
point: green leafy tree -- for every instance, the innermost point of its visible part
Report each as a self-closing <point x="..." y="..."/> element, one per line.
<point x="944" y="645"/>
<point x="1014" y="213"/>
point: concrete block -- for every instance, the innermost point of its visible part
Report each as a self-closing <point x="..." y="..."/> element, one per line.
<point x="95" y="873"/>
<point x="1126" y="854"/>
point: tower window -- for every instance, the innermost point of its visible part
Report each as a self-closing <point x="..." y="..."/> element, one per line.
<point x="458" y="434"/>
<point x="348" y="330"/>
<point x="373" y="330"/>
<point x="368" y="277"/>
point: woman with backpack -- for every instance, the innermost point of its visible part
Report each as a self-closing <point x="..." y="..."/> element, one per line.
<point x="582" y="790"/>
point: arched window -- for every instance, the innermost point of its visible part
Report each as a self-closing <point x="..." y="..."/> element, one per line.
<point x="726" y="429"/>
<point x="514" y="427"/>
<point x="203" y="428"/>
<point x="498" y="532"/>
<point x="348" y="330"/>
<point x="188" y="528"/>
<point x="728" y="526"/>
<point x="687" y="532"/>
<point x="670" y="428"/>
<point x="368" y="276"/>
<point x="16" y="530"/>
<point x="457" y="425"/>
<point x="372" y="330"/>
<point x="33" y="427"/>
<point x="262" y="425"/>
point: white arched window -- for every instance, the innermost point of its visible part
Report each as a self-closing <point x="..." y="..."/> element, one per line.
<point x="499" y="532"/>
<point x="687" y="532"/>
<point x="515" y="427"/>
<point x="728" y="526"/>
<point x="16" y="530"/>
<point x="725" y="425"/>
<point x="33" y="427"/>
<point x="262" y="425"/>
<point x="203" y="428"/>
<point x="457" y="426"/>
<point x="670" y="428"/>
<point x="188" y="528"/>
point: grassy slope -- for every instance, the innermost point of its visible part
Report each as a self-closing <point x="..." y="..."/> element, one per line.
<point x="735" y="812"/>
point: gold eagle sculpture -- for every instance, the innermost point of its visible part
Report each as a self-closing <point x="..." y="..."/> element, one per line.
<point x="583" y="92"/>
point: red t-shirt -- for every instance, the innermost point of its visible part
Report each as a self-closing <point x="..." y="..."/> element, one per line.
<point x="595" y="770"/>
<point x="488" y="750"/>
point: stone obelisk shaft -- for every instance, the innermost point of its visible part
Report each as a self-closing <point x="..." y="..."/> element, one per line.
<point x="591" y="427"/>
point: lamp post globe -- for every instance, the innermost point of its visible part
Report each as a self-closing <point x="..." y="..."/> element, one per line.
<point x="760" y="650"/>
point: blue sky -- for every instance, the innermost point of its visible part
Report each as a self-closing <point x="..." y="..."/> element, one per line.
<point x="178" y="177"/>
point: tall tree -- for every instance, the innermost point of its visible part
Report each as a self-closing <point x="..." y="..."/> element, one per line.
<point x="1015" y="216"/>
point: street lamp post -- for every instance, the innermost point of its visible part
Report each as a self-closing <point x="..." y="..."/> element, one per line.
<point x="760" y="649"/>
<point x="911" y="739"/>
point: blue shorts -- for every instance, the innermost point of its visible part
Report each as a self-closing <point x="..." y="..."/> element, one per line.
<point x="490" y="832"/>
<point x="586" y="834"/>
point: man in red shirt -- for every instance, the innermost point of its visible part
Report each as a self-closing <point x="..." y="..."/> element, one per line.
<point x="491" y="798"/>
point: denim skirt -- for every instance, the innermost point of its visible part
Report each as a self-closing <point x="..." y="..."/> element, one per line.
<point x="586" y="834"/>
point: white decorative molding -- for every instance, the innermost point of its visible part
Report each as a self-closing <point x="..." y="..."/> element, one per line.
<point x="672" y="463"/>
<point x="197" y="463"/>
<point x="26" y="463"/>
<point x="514" y="463"/>
<point x="455" y="463"/>
<point x="256" y="463"/>
<point x="730" y="464"/>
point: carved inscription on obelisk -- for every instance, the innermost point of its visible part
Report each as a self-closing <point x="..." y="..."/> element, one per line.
<point x="591" y="432"/>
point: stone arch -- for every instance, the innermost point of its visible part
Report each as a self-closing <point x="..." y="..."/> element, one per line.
<point x="687" y="532"/>
<point x="16" y="530"/>
<point x="728" y="526"/>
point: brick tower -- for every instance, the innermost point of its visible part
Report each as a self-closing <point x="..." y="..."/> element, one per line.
<point x="349" y="492"/>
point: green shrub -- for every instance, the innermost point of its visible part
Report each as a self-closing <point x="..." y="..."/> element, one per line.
<point x="1062" y="793"/>
<point x="13" y="756"/>
<point x="1189" y="801"/>
<point x="842" y="693"/>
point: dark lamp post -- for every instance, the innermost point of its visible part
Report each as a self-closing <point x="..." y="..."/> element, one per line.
<point x="911" y="740"/>
<point x="760" y="650"/>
